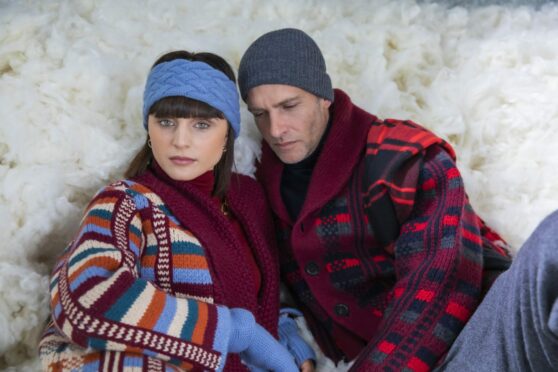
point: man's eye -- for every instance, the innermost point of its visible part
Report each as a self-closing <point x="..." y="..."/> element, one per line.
<point x="257" y="114"/>
<point x="288" y="107"/>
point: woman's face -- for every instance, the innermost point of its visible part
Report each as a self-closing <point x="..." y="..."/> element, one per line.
<point x="186" y="148"/>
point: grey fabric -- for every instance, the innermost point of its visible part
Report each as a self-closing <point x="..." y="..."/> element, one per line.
<point x="287" y="56"/>
<point x="516" y="326"/>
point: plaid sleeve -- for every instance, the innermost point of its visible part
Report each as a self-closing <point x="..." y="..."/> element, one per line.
<point x="438" y="263"/>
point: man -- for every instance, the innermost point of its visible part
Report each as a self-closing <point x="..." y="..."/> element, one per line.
<point x="378" y="242"/>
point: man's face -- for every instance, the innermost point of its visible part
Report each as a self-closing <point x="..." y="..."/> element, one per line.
<point x="291" y="120"/>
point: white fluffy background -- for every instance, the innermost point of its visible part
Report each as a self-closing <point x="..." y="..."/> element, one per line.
<point x="72" y="74"/>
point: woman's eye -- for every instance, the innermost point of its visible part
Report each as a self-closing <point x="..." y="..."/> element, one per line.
<point x="201" y="125"/>
<point x="166" y="122"/>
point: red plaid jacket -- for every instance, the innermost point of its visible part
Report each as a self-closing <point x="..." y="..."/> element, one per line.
<point x="386" y="258"/>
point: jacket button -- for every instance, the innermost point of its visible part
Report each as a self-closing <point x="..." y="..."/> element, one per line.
<point x="312" y="268"/>
<point x="341" y="310"/>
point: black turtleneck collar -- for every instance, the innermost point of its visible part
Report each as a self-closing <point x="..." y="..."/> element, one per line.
<point x="296" y="178"/>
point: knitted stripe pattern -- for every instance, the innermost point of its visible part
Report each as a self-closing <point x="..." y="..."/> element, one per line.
<point x="118" y="288"/>
<point x="235" y="284"/>
<point x="70" y="357"/>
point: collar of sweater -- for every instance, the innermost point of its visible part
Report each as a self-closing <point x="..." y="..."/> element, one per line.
<point x="343" y="148"/>
<point x="204" y="182"/>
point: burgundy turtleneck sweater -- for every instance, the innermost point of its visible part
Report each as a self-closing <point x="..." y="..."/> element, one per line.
<point x="205" y="183"/>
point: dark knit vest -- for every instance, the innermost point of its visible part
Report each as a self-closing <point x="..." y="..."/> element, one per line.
<point x="234" y="285"/>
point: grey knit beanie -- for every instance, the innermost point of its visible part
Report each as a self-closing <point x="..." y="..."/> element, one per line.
<point x="287" y="56"/>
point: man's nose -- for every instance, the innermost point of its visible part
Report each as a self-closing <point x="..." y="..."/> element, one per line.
<point x="277" y="125"/>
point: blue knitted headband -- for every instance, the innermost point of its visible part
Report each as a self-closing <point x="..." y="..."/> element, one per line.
<point x="196" y="80"/>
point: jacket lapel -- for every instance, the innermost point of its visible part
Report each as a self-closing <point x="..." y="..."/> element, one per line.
<point x="342" y="151"/>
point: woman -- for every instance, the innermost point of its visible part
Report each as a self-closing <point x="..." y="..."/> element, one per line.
<point x="174" y="268"/>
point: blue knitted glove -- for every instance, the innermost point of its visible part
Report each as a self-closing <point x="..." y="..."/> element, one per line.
<point x="257" y="347"/>
<point x="290" y="338"/>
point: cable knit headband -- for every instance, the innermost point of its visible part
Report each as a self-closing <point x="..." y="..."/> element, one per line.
<point x="196" y="80"/>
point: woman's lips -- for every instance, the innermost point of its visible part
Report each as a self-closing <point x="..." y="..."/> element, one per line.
<point x="182" y="160"/>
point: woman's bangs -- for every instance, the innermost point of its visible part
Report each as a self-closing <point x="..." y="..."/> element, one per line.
<point x="182" y="107"/>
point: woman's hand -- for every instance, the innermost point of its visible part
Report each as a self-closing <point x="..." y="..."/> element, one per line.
<point x="307" y="366"/>
<point x="256" y="346"/>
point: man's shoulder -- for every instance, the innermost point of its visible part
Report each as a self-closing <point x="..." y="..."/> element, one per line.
<point x="402" y="136"/>
<point x="379" y="130"/>
<point x="393" y="128"/>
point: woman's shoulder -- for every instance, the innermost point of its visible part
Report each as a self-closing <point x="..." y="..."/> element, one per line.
<point x="131" y="189"/>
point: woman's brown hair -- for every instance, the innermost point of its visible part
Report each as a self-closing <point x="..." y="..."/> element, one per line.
<point x="182" y="107"/>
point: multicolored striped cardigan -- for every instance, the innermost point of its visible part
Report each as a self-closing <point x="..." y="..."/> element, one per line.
<point x="387" y="257"/>
<point x="148" y="280"/>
